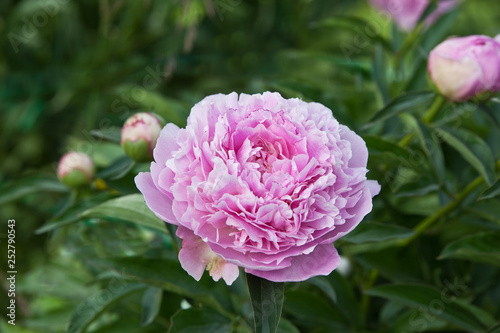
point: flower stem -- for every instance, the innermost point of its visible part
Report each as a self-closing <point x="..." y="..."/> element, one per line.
<point x="449" y="207"/>
<point x="431" y="113"/>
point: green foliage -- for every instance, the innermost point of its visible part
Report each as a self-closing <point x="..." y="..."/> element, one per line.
<point x="96" y="259"/>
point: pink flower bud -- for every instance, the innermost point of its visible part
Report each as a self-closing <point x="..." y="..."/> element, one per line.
<point x="75" y="169"/>
<point x="464" y="67"/>
<point x="139" y="135"/>
<point x="406" y="13"/>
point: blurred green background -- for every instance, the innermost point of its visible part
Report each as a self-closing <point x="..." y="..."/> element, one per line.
<point x="68" y="67"/>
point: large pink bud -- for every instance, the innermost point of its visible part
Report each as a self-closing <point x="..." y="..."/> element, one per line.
<point x="464" y="67"/>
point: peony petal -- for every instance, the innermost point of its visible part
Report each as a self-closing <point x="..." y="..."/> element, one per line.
<point x="156" y="200"/>
<point x="322" y="261"/>
<point x="194" y="254"/>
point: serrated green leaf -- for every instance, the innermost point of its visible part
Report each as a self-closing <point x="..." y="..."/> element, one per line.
<point x="402" y="103"/>
<point x="472" y="148"/>
<point x="368" y="232"/>
<point x="131" y="208"/>
<point x="424" y="297"/>
<point x="151" y="302"/>
<point x="267" y="303"/>
<point x="482" y="247"/>
<point x="199" y="321"/>
<point x="98" y="303"/>
<point x="29" y="185"/>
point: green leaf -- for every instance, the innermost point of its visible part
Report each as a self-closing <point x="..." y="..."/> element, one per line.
<point x="96" y="304"/>
<point x="151" y="303"/>
<point x="367" y="232"/>
<point x="472" y="148"/>
<point x="347" y="303"/>
<point x="118" y="168"/>
<point x="286" y="326"/>
<point x="163" y="273"/>
<point x="169" y="109"/>
<point x="491" y="192"/>
<point x="312" y="309"/>
<point x="267" y="303"/>
<point x="481" y="247"/>
<point x="199" y="321"/>
<point x="429" y="143"/>
<point x="72" y="214"/>
<point x="426" y="299"/>
<point x="112" y="134"/>
<point x="375" y="143"/>
<point x="495" y="329"/>
<point x="322" y="283"/>
<point x="379" y="73"/>
<point x="131" y="208"/>
<point x="350" y="23"/>
<point x="402" y="103"/>
<point x="29" y="185"/>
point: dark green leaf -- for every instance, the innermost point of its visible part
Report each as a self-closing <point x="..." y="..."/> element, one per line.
<point x="98" y="303"/>
<point x="491" y="192"/>
<point x="267" y="303"/>
<point x="29" y="185"/>
<point x="119" y="168"/>
<point x="199" y="321"/>
<point x="322" y="283"/>
<point x="112" y="134"/>
<point x="151" y="302"/>
<point x="495" y="329"/>
<point x="425" y="298"/>
<point x="72" y="214"/>
<point x="352" y="23"/>
<point x="417" y="189"/>
<point x="482" y="247"/>
<point x="312" y="310"/>
<point x="429" y="143"/>
<point x="131" y="208"/>
<point x="379" y="73"/>
<point x="169" y="109"/>
<point x="367" y="232"/>
<point x="472" y="148"/>
<point x="402" y="103"/>
<point x="287" y="327"/>
<point x="163" y="273"/>
<point x="378" y="144"/>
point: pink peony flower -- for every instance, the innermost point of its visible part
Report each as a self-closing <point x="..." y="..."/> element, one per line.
<point x="139" y="135"/>
<point x="406" y="13"/>
<point x="75" y="169"/>
<point x="259" y="182"/>
<point x="463" y="67"/>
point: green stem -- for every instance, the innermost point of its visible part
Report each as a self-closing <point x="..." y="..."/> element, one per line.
<point x="449" y="207"/>
<point x="429" y="116"/>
